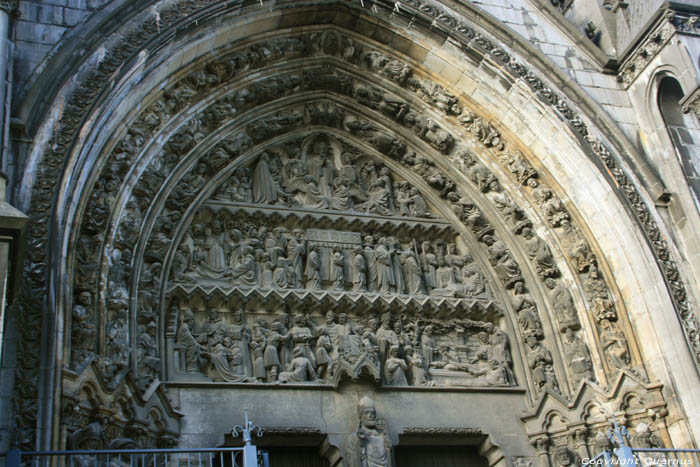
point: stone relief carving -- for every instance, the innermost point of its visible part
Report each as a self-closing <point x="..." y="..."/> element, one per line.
<point x="246" y="347"/>
<point x="578" y="357"/>
<point x="435" y="179"/>
<point x="133" y="39"/>
<point x="614" y="345"/>
<point x="650" y="46"/>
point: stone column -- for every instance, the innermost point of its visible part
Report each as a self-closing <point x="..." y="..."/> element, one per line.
<point x="579" y="435"/>
<point x="8" y="8"/>
<point x="541" y="445"/>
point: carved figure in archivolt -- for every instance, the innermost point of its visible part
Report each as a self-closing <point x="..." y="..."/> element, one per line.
<point x="541" y="363"/>
<point x="614" y="344"/>
<point x="369" y="445"/>
<point x="578" y="357"/>
<point x="84" y="333"/>
<point x="564" y="307"/>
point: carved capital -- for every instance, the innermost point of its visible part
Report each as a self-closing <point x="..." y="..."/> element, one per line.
<point x="11" y="7"/>
<point x="541" y="444"/>
<point x="578" y="435"/>
<point x="691" y="103"/>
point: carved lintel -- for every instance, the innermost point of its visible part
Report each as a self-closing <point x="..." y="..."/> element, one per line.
<point x="434" y="431"/>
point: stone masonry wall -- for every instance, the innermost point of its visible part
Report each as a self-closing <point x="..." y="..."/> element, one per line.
<point x="39" y="30"/>
<point x="44" y="22"/>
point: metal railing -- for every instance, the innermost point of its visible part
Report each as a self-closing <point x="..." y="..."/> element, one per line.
<point x="246" y="456"/>
<point x="214" y="457"/>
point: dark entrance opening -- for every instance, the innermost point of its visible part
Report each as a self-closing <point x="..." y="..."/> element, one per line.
<point x="295" y="457"/>
<point x="438" y="456"/>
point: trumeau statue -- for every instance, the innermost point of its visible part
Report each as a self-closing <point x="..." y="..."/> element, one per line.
<point x="369" y="445"/>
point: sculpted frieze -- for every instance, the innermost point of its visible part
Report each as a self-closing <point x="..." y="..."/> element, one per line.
<point x="216" y="343"/>
<point x="223" y="249"/>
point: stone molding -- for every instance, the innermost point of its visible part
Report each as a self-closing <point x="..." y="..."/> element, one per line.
<point x="649" y="47"/>
<point x="579" y="424"/>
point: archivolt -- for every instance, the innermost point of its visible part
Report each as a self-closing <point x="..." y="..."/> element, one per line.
<point x="482" y="134"/>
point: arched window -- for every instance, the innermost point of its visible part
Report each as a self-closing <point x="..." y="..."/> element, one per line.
<point x="684" y="132"/>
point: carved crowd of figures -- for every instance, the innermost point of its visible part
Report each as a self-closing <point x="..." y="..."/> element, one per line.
<point x="315" y="180"/>
<point x="275" y="349"/>
<point x="255" y="255"/>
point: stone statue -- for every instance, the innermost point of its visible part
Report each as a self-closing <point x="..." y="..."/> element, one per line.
<point x="83" y="332"/>
<point x="386" y="338"/>
<point x="147" y="350"/>
<point x="371" y="258"/>
<point x="313" y="269"/>
<point x="416" y="367"/>
<point x="540" y="361"/>
<point x="429" y="266"/>
<point x="191" y="345"/>
<point x="395" y="368"/>
<point x="359" y="275"/>
<point x="240" y="337"/>
<point x="394" y="247"/>
<point x="428" y="346"/>
<point x="324" y="362"/>
<point x="473" y="280"/>
<point x="296" y="252"/>
<point x="563" y="305"/>
<point x="578" y="357"/>
<point x="417" y="205"/>
<point x="303" y="338"/>
<point x="369" y="445"/>
<point x="265" y="189"/>
<point x="599" y="297"/>
<point x="540" y="254"/>
<point x="338" y="270"/>
<point x="245" y="272"/>
<point x="385" y="270"/>
<point x="271" y="357"/>
<point x="614" y="345"/>
<point x="414" y="274"/>
<point x="500" y="350"/>
<point x="299" y="370"/>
